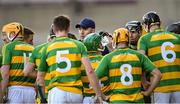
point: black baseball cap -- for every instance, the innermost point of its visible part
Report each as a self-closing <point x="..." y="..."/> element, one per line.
<point x="86" y="23"/>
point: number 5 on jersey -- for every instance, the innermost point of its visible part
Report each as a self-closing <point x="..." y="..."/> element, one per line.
<point x="60" y="59"/>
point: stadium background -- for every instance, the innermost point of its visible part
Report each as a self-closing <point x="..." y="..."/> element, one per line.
<point x="108" y="14"/>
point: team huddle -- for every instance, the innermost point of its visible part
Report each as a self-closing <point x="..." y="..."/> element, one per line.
<point x="138" y="63"/>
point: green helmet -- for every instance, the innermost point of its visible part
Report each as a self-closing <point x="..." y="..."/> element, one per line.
<point x="92" y="41"/>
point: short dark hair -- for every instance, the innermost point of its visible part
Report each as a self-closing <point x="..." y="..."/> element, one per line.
<point x="27" y="32"/>
<point x="61" y="23"/>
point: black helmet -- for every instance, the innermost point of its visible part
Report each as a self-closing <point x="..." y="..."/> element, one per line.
<point x="51" y="32"/>
<point x="175" y="28"/>
<point x="134" y="26"/>
<point x="150" y="17"/>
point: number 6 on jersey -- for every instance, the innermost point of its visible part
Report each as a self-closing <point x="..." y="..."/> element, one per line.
<point x="60" y="59"/>
<point x="166" y="52"/>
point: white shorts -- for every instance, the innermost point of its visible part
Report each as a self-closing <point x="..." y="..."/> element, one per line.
<point x="91" y="100"/>
<point x="88" y="100"/>
<point x="21" y="94"/>
<point x="171" y="97"/>
<point x="58" y="96"/>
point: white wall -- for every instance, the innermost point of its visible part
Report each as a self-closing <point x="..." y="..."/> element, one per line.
<point x="107" y="16"/>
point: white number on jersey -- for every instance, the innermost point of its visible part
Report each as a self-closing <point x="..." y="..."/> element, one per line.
<point x="60" y="59"/>
<point x="126" y="74"/>
<point x="25" y="60"/>
<point x="165" y="52"/>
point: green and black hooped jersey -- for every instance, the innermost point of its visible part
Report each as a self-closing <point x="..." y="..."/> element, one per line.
<point x="163" y="49"/>
<point x="62" y="59"/>
<point x="87" y="89"/>
<point x="16" y="54"/>
<point x="124" y="68"/>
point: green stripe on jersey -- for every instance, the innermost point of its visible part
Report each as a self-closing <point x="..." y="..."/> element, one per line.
<point x="128" y="91"/>
<point x="62" y="79"/>
<point x="74" y="64"/>
<point x="136" y="77"/>
<point x="140" y="101"/>
<point x="173" y="69"/>
<point x="169" y="82"/>
<point x="21" y="79"/>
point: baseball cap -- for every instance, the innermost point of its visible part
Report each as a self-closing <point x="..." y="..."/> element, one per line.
<point x="85" y="23"/>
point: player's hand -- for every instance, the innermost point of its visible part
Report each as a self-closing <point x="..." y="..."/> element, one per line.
<point x="99" y="100"/>
<point x="102" y="99"/>
<point x="5" y="99"/>
<point x="146" y="84"/>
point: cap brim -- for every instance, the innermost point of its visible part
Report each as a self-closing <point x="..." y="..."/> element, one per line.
<point x="80" y="26"/>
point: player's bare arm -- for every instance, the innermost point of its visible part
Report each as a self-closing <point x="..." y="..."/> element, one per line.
<point x="92" y="77"/>
<point x="145" y="82"/>
<point x="5" y="76"/>
<point x="29" y="71"/>
<point x="154" y="82"/>
<point x="40" y="80"/>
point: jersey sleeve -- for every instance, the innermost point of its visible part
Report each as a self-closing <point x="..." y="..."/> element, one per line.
<point x="6" y="53"/>
<point x="33" y="56"/>
<point x="43" y="67"/>
<point x="147" y="65"/>
<point x="102" y="68"/>
<point x="142" y="44"/>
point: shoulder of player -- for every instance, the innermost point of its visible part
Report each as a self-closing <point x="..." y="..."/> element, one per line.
<point x="77" y="42"/>
<point x="109" y="55"/>
<point x="29" y="45"/>
<point x="40" y="46"/>
<point x="9" y="45"/>
<point x="146" y="36"/>
<point x="174" y="34"/>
